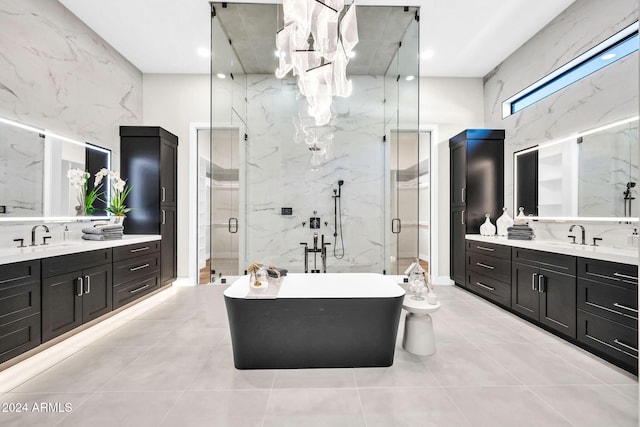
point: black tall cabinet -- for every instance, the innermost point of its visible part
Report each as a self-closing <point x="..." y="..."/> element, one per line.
<point x="477" y="188"/>
<point x="149" y="163"/>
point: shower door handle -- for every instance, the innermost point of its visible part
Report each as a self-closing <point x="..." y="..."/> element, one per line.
<point x="233" y="225"/>
<point x="395" y="229"/>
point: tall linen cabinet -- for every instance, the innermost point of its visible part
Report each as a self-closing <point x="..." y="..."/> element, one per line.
<point x="477" y="188"/>
<point x="149" y="163"/>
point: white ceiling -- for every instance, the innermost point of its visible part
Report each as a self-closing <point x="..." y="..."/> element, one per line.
<point x="468" y="37"/>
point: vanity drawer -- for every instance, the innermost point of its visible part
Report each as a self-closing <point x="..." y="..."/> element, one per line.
<point x="500" y="269"/>
<point x="611" y="338"/>
<point x="135" y="268"/>
<point x="20" y="300"/>
<point x="19" y="336"/>
<point x="58" y="265"/>
<point x="492" y="249"/>
<point x="611" y="302"/>
<point x="489" y="287"/>
<point x="19" y="272"/>
<point x="127" y="252"/>
<point x="548" y="260"/>
<point x="612" y="273"/>
<point x="130" y="291"/>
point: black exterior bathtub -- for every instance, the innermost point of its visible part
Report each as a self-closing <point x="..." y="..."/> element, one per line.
<point x="316" y="321"/>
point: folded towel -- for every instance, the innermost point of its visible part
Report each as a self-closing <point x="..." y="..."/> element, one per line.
<point x="520" y="237"/>
<point x="99" y="237"/>
<point x="273" y="273"/>
<point x="519" y="228"/>
<point x="103" y="229"/>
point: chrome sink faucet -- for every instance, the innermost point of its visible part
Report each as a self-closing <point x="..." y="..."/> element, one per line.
<point x="33" y="234"/>
<point x="583" y="236"/>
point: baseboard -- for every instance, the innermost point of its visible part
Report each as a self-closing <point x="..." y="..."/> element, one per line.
<point x="442" y="280"/>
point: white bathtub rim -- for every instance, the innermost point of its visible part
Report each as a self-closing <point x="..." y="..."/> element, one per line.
<point x="327" y="285"/>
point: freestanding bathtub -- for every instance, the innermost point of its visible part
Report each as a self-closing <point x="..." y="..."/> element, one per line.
<point x="315" y="321"/>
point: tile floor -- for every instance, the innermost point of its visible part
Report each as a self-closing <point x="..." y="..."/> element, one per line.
<point x="172" y="366"/>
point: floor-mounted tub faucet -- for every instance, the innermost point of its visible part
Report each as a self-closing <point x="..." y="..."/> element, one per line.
<point x="583" y="237"/>
<point x="322" y="249"/>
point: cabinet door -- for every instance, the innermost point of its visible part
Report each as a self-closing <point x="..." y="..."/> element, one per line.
<point x="168" y="249"/>
<point x="458" y="260"/>
<point x="168" y="173"/>
<point x="524" y="298"/>
<point x="458" y="175"/>
<point x="61" y="304"/>
<point x="97" y="294"/>
<point x="558" y="301"/>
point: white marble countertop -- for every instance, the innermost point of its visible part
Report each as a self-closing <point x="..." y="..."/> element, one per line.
<point x="10" y="255"/>
<point x="604" y="253"/>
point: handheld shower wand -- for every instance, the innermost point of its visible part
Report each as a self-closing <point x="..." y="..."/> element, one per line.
<point x="337" y="221"/>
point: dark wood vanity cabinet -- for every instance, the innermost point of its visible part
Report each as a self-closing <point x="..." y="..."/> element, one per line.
<point x="543" y="288"/>
<point x="19" y="308"/>
<point x="149" y="163"/>
<point x="488" y="271"/>
<point x="608" y="310"/>
<point x="76" y="289"/>
<point x="136" y="272"/>
<point x="477" y="188"/>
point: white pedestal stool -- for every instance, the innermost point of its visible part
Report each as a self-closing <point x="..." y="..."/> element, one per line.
<point x="418" y="327"/>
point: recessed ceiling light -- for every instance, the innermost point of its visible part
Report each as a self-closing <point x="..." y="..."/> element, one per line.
<point x="427" y="54"/>
<point x="351" y="54"/>
<point x="608" y="56"/>
<point x="409" y="78"/>
<point x="204" y="52"/>
<point x="221" y="76"/>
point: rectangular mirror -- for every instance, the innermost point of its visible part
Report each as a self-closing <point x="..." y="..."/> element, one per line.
<point x="592" y="174"/>
<point x="34" y="164"/>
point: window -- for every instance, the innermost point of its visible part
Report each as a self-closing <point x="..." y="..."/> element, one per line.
<point x="606" y="53"/>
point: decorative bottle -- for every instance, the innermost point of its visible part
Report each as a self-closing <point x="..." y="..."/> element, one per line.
<point x="487" y="229"/>
<point x="521" y="219"/>
<point x="504" y="222"/>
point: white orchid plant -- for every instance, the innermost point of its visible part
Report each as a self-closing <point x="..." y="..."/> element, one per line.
<point x="119" y="194"/>
<point x="79" y="179"/>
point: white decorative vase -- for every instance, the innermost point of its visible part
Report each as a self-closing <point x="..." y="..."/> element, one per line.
<point x="521" y="219"/>
<point x="118" y="220"/>
<point x="487" y="229"/>
<point x="504" y="222"/>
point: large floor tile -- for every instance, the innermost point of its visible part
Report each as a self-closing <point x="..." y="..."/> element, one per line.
<point x="38" y="409"/>
<point x="628" y="390"/>
<point x="85" y="371"/>
<point x="457" y="365"/>
<point x="314" y="408"/>
<point x="407" y="371"/>
<point x="137" y="333"/>
<point x="163" y="369"/>
<point x="595" y="366"/>
<point x="504" y="406"/>
<point x="315" y="378"/>
<point x="590" y="406"/>
<point x="231" y="408"/>
<point x="406" y="407"/>
<point x="534" y="365"/>
<point x="135" y="409"/>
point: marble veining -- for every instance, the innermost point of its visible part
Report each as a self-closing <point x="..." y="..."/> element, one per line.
<point x="58" y="74"/>
<point x="276" y="161"/>
<point x="601" y="98"/>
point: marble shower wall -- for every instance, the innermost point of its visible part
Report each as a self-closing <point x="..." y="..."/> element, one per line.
<point x="601" y="98"/>
<point x="279" y="174"/>
<point x="57" y="74"/>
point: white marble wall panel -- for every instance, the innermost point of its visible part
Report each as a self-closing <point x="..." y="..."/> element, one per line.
<point x="58" y="74"/>
<point x="280" y="174"/>
<point x="604" y="97"/>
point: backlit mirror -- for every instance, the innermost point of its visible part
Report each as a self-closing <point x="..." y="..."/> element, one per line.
<point x="34" y="165"/>
<point x="593" y="174"/>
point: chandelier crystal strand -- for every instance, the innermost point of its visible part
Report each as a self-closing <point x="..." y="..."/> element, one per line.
<point x="314" y="45"/>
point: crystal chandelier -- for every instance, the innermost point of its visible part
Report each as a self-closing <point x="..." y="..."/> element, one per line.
<point x="315" y="44"/>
